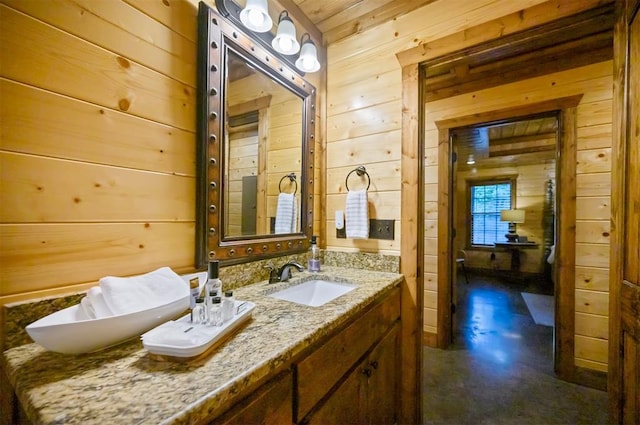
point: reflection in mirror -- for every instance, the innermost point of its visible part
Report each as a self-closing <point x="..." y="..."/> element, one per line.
<point x="263" y="145"/>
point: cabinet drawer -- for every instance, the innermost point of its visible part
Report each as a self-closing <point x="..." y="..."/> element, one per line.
<point x="269" y="404"/>
<point x="322" y="369"/>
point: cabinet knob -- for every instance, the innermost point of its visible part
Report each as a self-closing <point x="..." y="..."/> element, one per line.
<point x="367" y="372"/>
<point x="374" y="364"/>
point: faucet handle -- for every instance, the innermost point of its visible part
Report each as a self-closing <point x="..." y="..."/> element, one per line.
<point x="273" y="273"/>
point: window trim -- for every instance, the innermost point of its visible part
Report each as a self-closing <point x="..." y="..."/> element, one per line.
<point x="511" y="178"/>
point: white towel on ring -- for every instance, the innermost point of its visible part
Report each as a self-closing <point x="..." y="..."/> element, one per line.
<point x="357" y="214"/>
<point x="286" y="218"/>
<point x="125" y="295"/>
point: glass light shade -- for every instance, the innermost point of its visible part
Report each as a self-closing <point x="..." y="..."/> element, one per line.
<point x="285" y="40"/>
<point x="255" y="16"/>
<point x="512" y="216"/>
<point x="308" y="60"/>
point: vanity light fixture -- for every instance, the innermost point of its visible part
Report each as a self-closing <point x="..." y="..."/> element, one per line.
<point x="285" y="40"/>
<point x="308" y="60"/>
<point x="470" y="159"/>
<point x="255" y="16"/>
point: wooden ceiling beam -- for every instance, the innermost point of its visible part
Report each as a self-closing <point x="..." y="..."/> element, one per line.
<point x="522" y="139"/>
<point x="520" y="151"/>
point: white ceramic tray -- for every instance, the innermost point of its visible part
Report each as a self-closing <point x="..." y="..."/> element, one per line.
<point x="183" y="339"/>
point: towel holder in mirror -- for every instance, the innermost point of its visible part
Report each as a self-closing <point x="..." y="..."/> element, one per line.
<point x="292" y="179"/>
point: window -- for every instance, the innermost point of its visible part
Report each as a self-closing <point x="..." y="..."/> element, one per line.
<point x="487" y="199"/>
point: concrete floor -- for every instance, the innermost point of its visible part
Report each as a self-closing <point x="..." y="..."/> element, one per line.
<point x="500" y="368"/>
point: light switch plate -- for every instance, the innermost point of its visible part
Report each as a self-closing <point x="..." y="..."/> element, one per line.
<point x="339" y="220"/>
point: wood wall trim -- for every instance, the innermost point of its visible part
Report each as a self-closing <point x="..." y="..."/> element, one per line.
<point x="430" y="339"/>
<point x="624" y="10"/>
<point x="411" y="250"/>
<point x="445" y="292"/>
<point x="510" y="113"/>
<point x="566" y="246"/>
<point x="559" y="45"/>
<point x="497" y="28"/>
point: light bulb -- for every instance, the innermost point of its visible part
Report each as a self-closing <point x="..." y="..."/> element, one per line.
<point x="307" y="63"/>
<point x="256" y="17"/>
<point x="285" y="44"/>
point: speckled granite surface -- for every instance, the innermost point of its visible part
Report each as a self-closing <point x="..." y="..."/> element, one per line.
<point x="363" y="260"/>
<point x="123" y="385"/>
<point x="19" y="315"/>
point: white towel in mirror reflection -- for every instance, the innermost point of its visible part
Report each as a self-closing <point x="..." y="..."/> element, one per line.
<point x="286" y="218"/>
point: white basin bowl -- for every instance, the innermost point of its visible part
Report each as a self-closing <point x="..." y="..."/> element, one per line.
<point x="314" y="293"/>
<point x="70" y="331"/>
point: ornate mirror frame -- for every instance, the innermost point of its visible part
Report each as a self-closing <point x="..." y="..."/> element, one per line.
<point x="216" y="34"/>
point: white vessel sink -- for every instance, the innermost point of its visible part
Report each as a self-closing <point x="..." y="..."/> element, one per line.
<point x="314" y="293"/>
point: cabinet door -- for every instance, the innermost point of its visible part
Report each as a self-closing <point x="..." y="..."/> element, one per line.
<point x="347" y="405"/>
<point x="383" y="386"/>
<point x="269" y="404"/>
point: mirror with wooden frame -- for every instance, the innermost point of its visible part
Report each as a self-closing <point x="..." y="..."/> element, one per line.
<point x="255" y="136"/>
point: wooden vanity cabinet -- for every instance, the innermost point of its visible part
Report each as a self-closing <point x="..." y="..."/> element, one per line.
<point x="353" y="377"/>
<point x="369" y="393"/>
<point x="269" y="404"/>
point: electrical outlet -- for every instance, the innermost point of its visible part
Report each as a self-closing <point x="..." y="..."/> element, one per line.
<point x="381" y="229"/>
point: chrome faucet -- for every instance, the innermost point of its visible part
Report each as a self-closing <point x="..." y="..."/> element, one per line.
<point x="282" y="274"/>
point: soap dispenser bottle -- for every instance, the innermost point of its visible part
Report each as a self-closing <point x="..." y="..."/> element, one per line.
<point x="313" y="265"/>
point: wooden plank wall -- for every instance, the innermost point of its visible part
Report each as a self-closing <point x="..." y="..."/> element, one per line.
<point x="363" y="126"/>
<point x="364" y="90"/>
<point x="97" y="154"/>
<point x="243" y="161"/>
<point x="530" y="193"/>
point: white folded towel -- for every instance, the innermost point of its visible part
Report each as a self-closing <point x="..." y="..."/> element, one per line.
<point x="357" y="214"/>
<point x="95" y="305"/>
<point x="286" y="218"/>
<point x="125" y="295"/>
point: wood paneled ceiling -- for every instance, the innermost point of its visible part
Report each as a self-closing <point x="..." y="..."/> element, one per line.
<point x="337" y="19"/>
<point x="519" y="142"/>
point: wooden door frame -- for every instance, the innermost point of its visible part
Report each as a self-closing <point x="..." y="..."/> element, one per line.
<point x="565" y="223"/>
<point x="625" y="9"/>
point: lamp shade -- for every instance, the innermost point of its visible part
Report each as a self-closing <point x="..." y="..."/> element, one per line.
<point x="285" y="40"/>
<point x="512" y="216"/>
<point x="308" y="60"/>
<point x="255" y="16"/>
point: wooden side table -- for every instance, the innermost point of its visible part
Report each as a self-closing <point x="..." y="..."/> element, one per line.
<point x="515" y="248"/>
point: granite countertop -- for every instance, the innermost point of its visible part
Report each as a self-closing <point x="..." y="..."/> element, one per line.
<point x="123" y="384"/>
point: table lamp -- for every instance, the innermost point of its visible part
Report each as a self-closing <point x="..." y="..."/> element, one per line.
<point x="513" y="217"/>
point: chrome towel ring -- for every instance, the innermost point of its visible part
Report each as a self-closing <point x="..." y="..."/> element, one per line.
<point x="360" y="171"/>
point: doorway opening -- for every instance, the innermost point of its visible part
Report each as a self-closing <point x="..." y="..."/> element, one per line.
<point x="564" y="233"/>
<point x="503" y="209"/>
